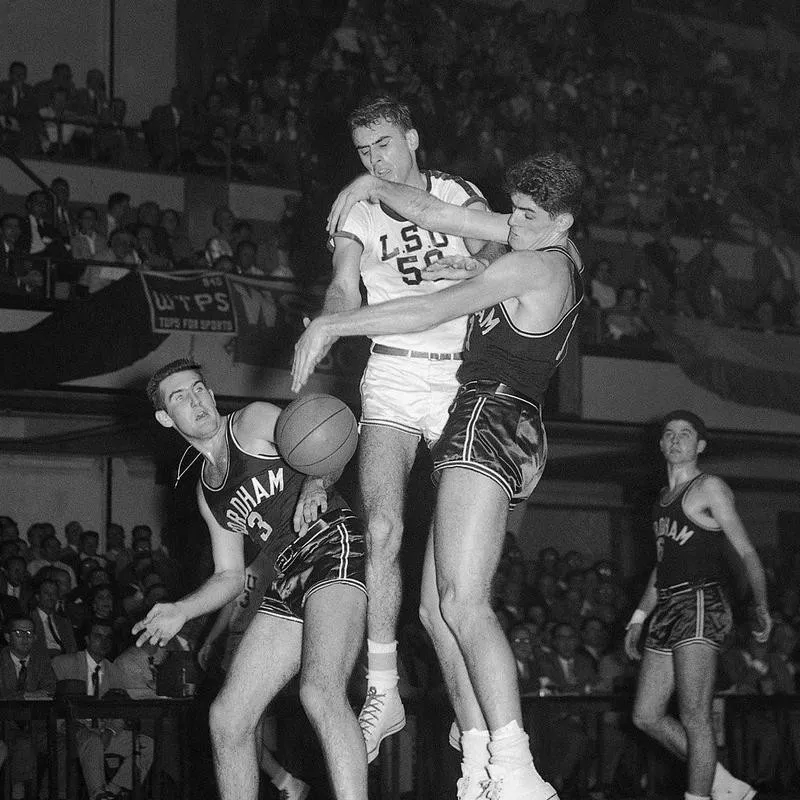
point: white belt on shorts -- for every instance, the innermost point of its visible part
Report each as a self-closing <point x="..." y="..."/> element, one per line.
<point x="385" y="350"/>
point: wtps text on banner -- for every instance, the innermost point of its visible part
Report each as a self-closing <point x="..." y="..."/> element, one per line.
<point x="197" y="304"/>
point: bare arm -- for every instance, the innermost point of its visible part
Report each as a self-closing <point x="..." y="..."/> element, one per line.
<point x="722" y="505"/>
<point x="343" y="293"/>
<point x="646" y="605"/>
<point x="421" y="208"/>
<point x="164" y="620"/>
<point x="512" y="275"/>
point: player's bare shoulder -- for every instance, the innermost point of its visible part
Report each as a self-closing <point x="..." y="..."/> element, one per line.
<point x="708" y="496"/>
<point x="254" y="427"/>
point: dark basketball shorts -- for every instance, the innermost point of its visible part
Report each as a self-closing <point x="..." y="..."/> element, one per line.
<point x="689" y="614"/>
<point x="495" y="431"/>
<point x="331" y="551"/>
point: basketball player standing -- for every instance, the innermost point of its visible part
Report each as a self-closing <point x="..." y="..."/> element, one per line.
<point x="310" y="619"/>
<point x="410" y="379"/>
<point x="493" y="448"/>
<point x="693" y="517"/>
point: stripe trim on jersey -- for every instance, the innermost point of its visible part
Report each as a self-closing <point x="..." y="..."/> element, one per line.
<point x="578" y="300"/>
<point x="472" y="192"/>
<point x="184" y="468"/>
<point x="343" y="235"/>
<point x="260" y="456"/>
<point x="481" y="469"/>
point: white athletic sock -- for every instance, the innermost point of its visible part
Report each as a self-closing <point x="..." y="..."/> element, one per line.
<point x="474" y="750"/>
<point x="690" y="796"/>
<point x="382" y="664"/>
<point x="722" y="779"/>
<point x="508" y="746"/>
<point x="279" y="778"/>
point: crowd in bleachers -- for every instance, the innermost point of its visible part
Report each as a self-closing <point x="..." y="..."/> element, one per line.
<point x="564" y="616"/>
<point x="64" y="238"/>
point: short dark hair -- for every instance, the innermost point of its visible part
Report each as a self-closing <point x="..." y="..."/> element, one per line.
<point x="17" y="64"/>
<point x="372" y="110"/>
<point x="88" y="210"/>
<point x="115" y="198"/>
<point x="553" y="182"/>
<point x="686" y="416"/>
<point x="14" y="619"/>
<point x="154" y="384"/>
<point x="6" y="217"/>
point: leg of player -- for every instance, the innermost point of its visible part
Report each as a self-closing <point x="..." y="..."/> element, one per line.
<point x="267" y="658"/>
<point x="469" y="529"/>
<point x="473" y="730"/>
<point x="332" y="636"/>
<point x="654" y="689"/>
<point x="289" y="786"/>
<point x="385" y="460"/>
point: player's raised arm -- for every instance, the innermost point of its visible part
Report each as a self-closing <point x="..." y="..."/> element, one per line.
<point x="164" y="620"/>
<point x="722" y="505"/>
<point x="512" y="275"/>
<point x="421" y="208"/>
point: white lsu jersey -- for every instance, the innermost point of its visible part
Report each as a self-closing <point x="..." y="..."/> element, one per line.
<point x="394" y="250"/>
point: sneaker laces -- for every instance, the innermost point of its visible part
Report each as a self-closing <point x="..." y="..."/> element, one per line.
<point x="491" y="789"/>
<point x="373" y="706"/>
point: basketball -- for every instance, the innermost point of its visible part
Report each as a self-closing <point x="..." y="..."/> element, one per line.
<point x="316" y="434"/>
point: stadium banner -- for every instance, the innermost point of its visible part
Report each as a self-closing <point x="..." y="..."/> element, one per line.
<point x="242" y="330"/>
<point x="751" y="368"/>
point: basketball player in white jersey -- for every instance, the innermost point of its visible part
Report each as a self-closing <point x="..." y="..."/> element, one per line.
<point x="410" y="379"/>
<point x="493" y="448"/>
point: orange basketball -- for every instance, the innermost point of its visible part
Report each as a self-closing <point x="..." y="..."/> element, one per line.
<point x="316" y="434"/>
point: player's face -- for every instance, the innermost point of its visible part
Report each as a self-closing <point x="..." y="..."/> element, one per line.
<point x="680" y="443"/>
<point x="386" y="151"/>
<point x="530" y="226"/>
<point x="189" y="405"/>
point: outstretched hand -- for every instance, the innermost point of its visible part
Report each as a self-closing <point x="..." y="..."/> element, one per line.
<point x="163" y="621"/>
<point x="452" y="268"/>
<point x="310" y="349"/>
<point x="312" y="502"/>
<point x="362" y="188"/>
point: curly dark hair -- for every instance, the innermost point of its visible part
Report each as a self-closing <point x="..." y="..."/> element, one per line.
<point x="154" y="384"/>
<point x="553" y="182"/>
<point x="374" y="109"/>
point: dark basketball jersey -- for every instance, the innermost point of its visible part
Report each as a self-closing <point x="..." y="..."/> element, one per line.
<point x="258" y="496"/>
<point x="498" y="350"/>
<point x="686" y="551"/>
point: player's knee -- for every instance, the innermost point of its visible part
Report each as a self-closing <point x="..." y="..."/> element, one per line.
<point x="384" y="534"/>
<point x="695" y="720"/>
<point x="228" y="725"/>
<point x="460" y="609"/>
<point x="320" y="698"/>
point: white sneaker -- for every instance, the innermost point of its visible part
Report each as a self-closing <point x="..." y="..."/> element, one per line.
<point x="294" y="789"/>
<point x="382" y="715"/>
<point x="523" y="783"/>
<point x="734" y="790"/>
<point x="454" y="736"/>
<point x="471" y="785"/>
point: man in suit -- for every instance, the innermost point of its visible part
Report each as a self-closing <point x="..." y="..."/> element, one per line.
<point x="16" y="274"/>
<point x="565" y="669"/>
<point x="170" y="132"/>
<point x="24" y="673"/>
<point x="15" y="582"/>
<point x="95" y="738"/>
<point x="39" y="237"/>
<point x="777" y="260"/>
<point x="54" y="633"/>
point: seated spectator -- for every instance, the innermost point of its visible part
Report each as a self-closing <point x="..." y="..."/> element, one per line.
<point x="59" y="124"/>
<point x="118" y="212"/>
<point x="522" y="646"/>
<point x="25" y="674"/>
<point x="89" y="544"/>
<point x="17" y="274"/>
<point x="51" y="557"/>
<point x="147" y="251"/>
<point x="679" y="304"/>
<point x="15" y="581"/>
<point x="54" y="634"/>
<point x="662" y="255"/>
<point x="220" y="244"/>
<point x="602" y="292"/>
<point x="62" y="216"/>
<point x="170" y="134"/>
<point x="39" y="237"/>
<point x="95" y="739"/>
<point x="213" y="154"/>
<point x="181" y="248"/>
<point x="149" y="214"/>
<point x="246" y="260"/>
<point x="624" y="322"/>
<point x="564" y="669"/>
<point x="122" y="251"/>
<point x="595" y="637"/>
<point x="88" y="244"/>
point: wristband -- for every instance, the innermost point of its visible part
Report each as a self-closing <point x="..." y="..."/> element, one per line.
<point x="637" y="618"/>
